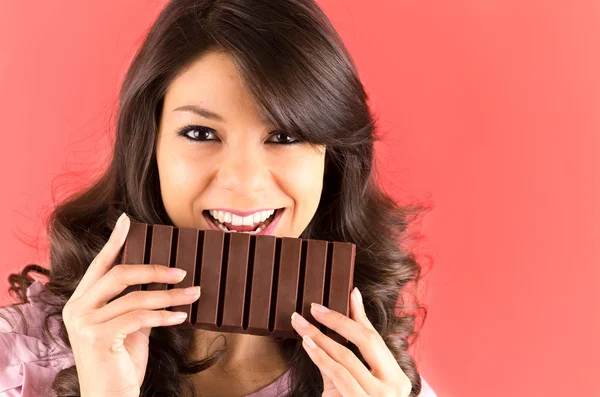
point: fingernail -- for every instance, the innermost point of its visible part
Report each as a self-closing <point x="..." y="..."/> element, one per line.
<point x="309" y="341"/>
<point x="357" y="295"/>
<point x="192" y="290"/>
<point x="319" y="308"/>
<point x="300" y="320"/>
<point x="178" y="316"/>
<point x="121" y="230"/>
<point x="120" y="220"/>
<point x="180" y="273"/>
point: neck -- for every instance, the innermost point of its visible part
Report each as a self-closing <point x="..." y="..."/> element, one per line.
<point x="242" y="350"/>
<point x="250" y="363"/>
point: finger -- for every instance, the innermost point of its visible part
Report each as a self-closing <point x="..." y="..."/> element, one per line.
<point x="341" y="378"/>
<point x="357" y="309"/>
<point x="121" y="276"/>
<point x="105" y="258"/>
<point x="369" y="342"/>
<point x="339" y="353"/>
<point x="358" y="314"/>
<point x="113" y="333"/>
<point x="149" y="300"/>
<point x="329" y="389"/>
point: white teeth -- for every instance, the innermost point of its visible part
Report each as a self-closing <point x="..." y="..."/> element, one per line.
<point x="264" y="215"/>
<point x="222" y="215"/>
<point x="248" y="220"/>
<point x="223" y="228"/>
<point x="236" y="220"/>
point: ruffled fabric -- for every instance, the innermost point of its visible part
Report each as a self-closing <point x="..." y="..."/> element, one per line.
<point x="426" y="390"/>
<point x="30" y="360"/>
<point x="274" y="389"/>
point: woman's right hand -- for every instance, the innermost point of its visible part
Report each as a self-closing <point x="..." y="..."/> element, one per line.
<point x="110" y="339"/>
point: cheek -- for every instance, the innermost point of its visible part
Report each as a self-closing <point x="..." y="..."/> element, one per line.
<point x="302" y="178"/>
<point x="179" y="176"/>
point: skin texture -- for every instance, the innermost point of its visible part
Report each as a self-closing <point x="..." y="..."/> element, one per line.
<point x="237" y="164"/>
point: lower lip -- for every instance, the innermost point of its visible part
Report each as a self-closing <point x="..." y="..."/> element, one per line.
<point x="268" y="230"/>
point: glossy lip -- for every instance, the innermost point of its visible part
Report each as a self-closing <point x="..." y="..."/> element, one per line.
<point x="240" y="213"/>
<point x="268" y="230"/>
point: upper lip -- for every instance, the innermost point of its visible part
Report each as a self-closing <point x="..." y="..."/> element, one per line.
<point x="242" y="213"/>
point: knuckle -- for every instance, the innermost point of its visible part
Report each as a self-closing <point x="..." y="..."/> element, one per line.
<point x="402" y="387"/>
<point x="345" y="355"/>
<point x="89" y="335"/>
<point x="84" y="331"/>
<point x="138" y="315"/>
<point x="405" y="389"/>
<point x="157" y="268"/>
<point x="406" y="386"/>
<point x="338" y="319"/>
<point x="339" y="372"/>
<point x="372" y="336"/>
<point x="117" y="271"/>
<point x="66" y="313"/>
<point x="69" y="315"/>
<point x="135" y="296"/>
<point x="165" y="315"/>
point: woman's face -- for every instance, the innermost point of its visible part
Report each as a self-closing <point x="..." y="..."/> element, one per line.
<point x="235" y="161"/>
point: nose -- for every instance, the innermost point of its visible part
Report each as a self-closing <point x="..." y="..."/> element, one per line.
<point x="244" y="171"/>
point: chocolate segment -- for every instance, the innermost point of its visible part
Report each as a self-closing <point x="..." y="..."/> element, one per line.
<point x="133" y="252"/>
<point x="250" y="283"/>
<point x="287" y="286"/>
<point x="263" y="270"/>
<point x="187" y="247"/>
<point x="235" y="283"/>
<point x="314" y="278"/>
<point x="210" y="279"/>
<point x="340" y="284"/>
<point x="160" y="251"/>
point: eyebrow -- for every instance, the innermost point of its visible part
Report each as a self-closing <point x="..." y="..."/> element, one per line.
<point x="200" y="112"/>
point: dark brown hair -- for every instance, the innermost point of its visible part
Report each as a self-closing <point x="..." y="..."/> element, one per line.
<point x="304" y="82"/>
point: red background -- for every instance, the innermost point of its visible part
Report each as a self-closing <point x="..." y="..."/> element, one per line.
<point x="491" y="111"/>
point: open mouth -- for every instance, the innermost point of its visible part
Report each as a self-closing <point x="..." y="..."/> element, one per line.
<point x="227" y="223"/>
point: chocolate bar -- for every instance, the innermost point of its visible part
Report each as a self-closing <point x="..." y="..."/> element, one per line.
<point x="249" y="283"/>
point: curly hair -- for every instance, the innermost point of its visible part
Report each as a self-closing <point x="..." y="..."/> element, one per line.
<point x="305" y="82"/>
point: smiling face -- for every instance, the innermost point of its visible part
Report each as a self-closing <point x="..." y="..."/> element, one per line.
<point x="234" y="161"/>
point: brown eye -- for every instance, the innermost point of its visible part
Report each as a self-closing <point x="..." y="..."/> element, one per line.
<point x="283" y="139"/>
<point x="196" y="133"/>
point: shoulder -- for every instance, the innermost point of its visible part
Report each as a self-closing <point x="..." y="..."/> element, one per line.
<point x="426" y="390"/>
<point x="29" y="357"/>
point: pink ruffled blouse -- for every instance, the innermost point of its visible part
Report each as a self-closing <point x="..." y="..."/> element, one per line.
<point x="30" y="360"/>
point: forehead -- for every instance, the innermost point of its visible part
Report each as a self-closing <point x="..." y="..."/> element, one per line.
<point x="211" y="81"/>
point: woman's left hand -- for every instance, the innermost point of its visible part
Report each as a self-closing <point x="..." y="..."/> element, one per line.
<point x="343" y="373"/>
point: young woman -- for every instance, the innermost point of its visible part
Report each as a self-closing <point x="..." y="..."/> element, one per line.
<point x="230" y="108"/>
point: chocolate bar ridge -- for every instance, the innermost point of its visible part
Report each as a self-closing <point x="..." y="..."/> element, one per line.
<point x="250" y="283"/>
